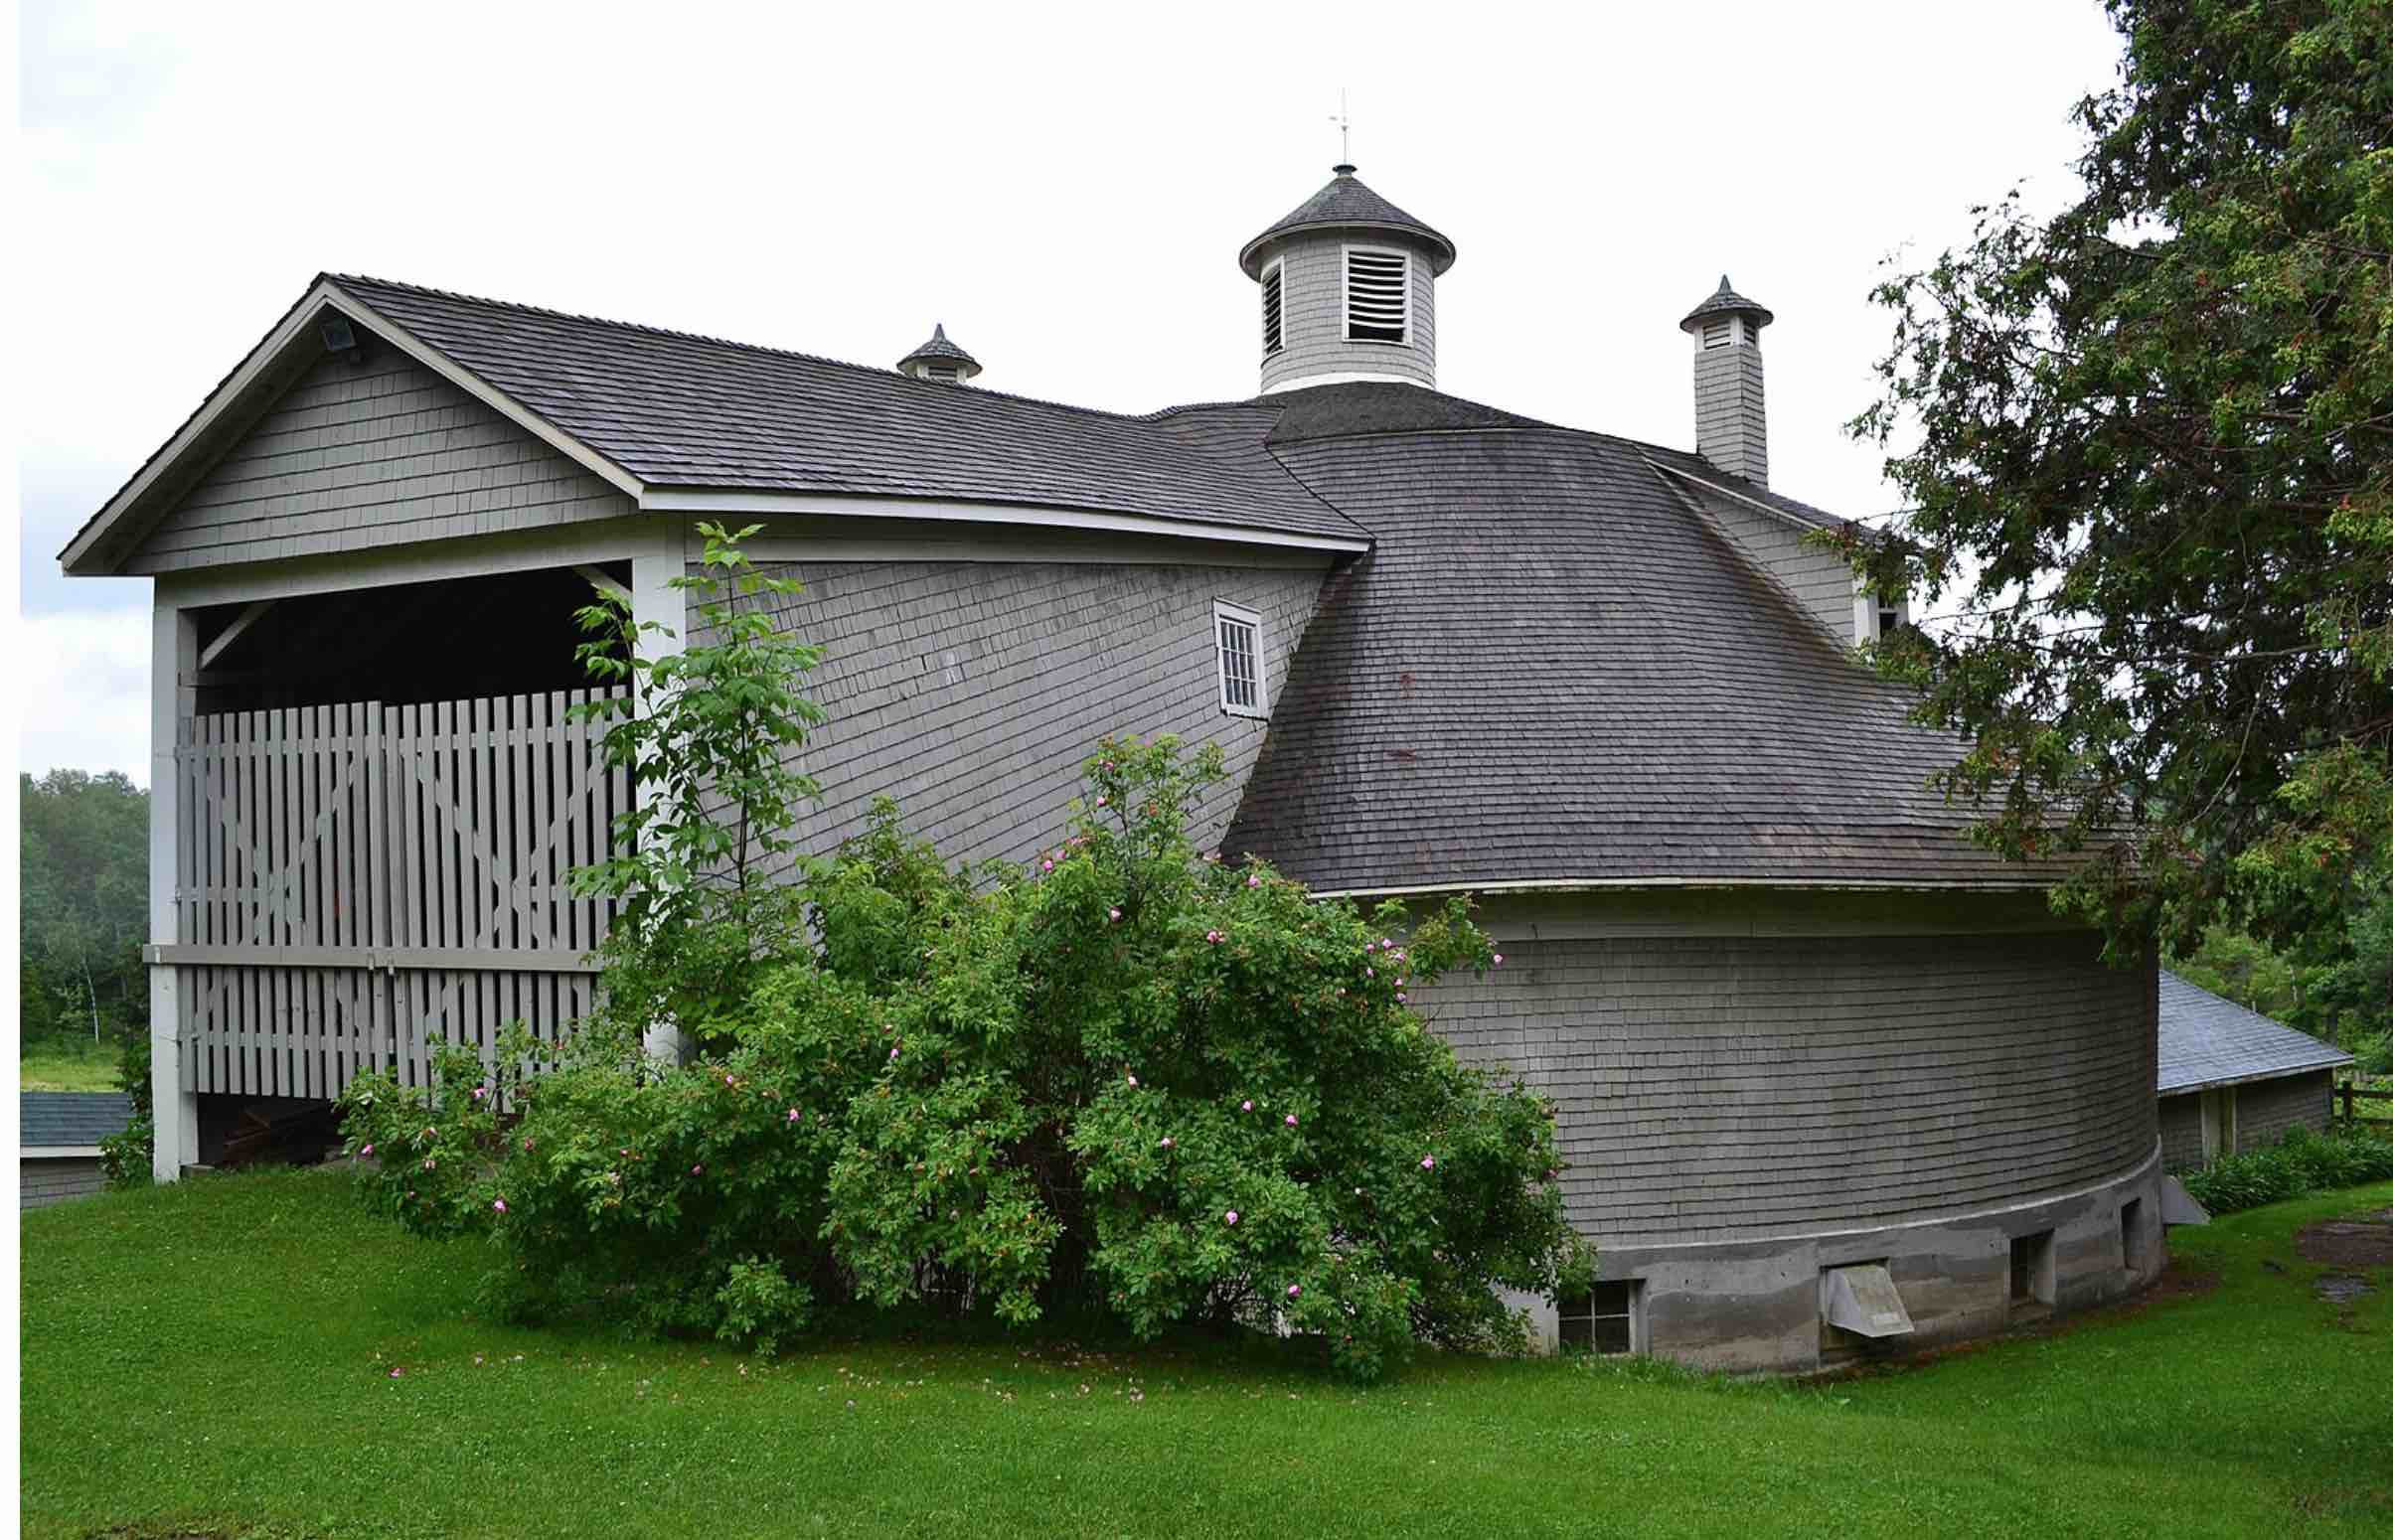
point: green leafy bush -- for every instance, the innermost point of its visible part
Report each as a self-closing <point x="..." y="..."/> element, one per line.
<point x="1125" y="1080"/>
<point x="2302" y="1163"/>
<point x="124" y="1156"/>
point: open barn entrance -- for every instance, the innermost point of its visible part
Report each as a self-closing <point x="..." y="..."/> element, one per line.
<point x="453" y="639"/>
<point x="380" y="801"/>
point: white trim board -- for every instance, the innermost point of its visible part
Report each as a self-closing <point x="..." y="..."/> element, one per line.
<point x="1617" y="884"/>
<point x="1115" y="550"/>
<point x="1345" y="377"/>
<point x="422" y="562"/>
<point x="60" y="1152"/>
<point x="740" y="504"/>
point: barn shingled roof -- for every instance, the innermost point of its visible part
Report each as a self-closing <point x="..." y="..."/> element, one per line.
<point x="1552" y="668"/>
<point x="687" y="412"/>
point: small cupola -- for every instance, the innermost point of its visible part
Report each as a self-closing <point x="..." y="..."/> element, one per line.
<point x="1732" y="429"/>
<point x="940" y="359"/>
<point x="1349" y="290"/>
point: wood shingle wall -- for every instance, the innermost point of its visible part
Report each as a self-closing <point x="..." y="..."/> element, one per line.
<point x="1737" y="1088"/>
<point x="381" y="453"/>
<point x="971" y="692"/>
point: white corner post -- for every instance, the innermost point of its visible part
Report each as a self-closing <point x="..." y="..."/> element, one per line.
<point x="174" y="659"/>
<point x="654" y="566"/>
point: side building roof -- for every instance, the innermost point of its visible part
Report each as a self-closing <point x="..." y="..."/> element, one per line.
<point x="52" y="1120"/>
<point x="1552" y="672"/>
<point x="2209" y="1040"/>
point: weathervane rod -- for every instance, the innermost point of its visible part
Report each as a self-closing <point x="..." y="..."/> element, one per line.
<point x="1346" y="148"/>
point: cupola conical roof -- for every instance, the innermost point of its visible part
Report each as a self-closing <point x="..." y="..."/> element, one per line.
<point x="1346" y="204"/>
<point x="940" y="351"/>
<point x="1725" y="301"/>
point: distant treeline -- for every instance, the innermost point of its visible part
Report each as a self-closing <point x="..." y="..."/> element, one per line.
<point x="83" y="889"/>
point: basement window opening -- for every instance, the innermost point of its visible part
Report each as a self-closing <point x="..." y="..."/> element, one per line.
<point x="1238" y="654"/>
<point x="1602" y="1321"/>
<point x="1378" y="294"/>
<point x="1273" y="291"/>
<point x="2031" y="1275"/>
<point x="2131" y="1234"/>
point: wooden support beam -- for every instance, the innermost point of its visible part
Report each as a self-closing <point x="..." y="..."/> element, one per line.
<point x="233" y="633"/>
<point x="597" y="578"/>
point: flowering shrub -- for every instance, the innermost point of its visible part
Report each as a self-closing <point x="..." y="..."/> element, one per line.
<point x="1124" y="1079"/>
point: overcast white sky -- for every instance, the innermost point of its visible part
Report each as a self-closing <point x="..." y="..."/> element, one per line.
<point x="1066" y="189"/>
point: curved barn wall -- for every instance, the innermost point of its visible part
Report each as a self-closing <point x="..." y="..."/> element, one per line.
<point x="1751" y="1089"/>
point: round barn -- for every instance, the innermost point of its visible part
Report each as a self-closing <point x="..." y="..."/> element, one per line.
<point x="1831" y="1080"/>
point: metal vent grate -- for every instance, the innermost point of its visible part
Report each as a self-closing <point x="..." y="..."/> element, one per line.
<point x="1274" y="337"/>
<point x="1378" y="294"/>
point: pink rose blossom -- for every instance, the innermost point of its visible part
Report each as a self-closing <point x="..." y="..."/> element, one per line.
<point x="369" y="1150"/>
<point x="698" y="1170"/>
<point x="1214" y="936"/>
<point x="432" y="1133"/>
<point x="1113" y="915"/>
<point x="1254" y="882"/>
<point x="1100" y="802"/>
<point x="1370" y="972"/>
<point x="1046" y="866"/>
<point x="527" y="1146"/>
<point x="1167" y="1141"/>
<point x="396" y="1370"/>
<point x="1291" y="1119"/>
<point x="499" y="1205"/>
<point x="1230" y="1218"/>
<point x="1294" y="1290"/>
<point x="1499" y="963"/>
<point x="1402" y="997"/>
<point x="893" y="1053"/>
<point x="727" y="1080"/>
<point x="1429" y="1163"/>
<point x="1133" y="1079"/>
<point x="793" y="1114"/>
<point x="1247" y="1106"/>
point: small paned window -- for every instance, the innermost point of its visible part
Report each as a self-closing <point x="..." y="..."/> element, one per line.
<point x="1602" y="1321"/>
<point x="1238" y="649"/>
<point x="1273" y="334"/>
<point x="1378" y="294"/>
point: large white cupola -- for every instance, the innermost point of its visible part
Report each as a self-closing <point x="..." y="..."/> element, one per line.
<point x="1349" y="290"/>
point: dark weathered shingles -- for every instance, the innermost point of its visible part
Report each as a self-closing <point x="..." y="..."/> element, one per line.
<point x="2208" y="1039"/>
<point x="48" y="1119"/>
<point x="686" y="411"/>
<point x="1550" y="669"/>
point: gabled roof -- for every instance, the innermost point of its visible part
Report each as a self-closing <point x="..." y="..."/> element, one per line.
<point x="1552" y="672"/>
<point x="2209" y="1040"/>
<point x="667" y="414"/>
<point x="71" y="1120"/>
<point x="1346" y="204"/>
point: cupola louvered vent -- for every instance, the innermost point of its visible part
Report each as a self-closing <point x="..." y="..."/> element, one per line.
<point x="1716" y="333"/>
<point x="1378" y="294"/>
<point x="1273" y="334"/>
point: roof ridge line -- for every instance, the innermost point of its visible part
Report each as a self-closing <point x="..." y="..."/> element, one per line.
<point x="646" y="328"/>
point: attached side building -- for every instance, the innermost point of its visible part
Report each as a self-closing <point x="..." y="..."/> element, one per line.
<point x="2232" y="1079"/>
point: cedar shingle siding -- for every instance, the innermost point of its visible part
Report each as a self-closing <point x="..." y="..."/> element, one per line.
<point x="1315" y="324"/>
<point x="2266" y="1110"/>
<point x="40" y="1183"/>
<point x="970" y="691"/>
<point x="1721" y="1089"/>
<point x="375" y="454"/>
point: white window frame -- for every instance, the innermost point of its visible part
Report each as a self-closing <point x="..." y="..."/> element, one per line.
<point x="1345" y="308"/>
<point x="1634" y="1288"/>
<point x="1865" y="613"/>
<point x="1239" y="614"/>
<point x="1277" y="267"/>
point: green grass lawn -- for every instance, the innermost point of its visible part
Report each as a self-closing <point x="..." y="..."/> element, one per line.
<point x="67" y="1066"/>
<point x="217" y="1357"/>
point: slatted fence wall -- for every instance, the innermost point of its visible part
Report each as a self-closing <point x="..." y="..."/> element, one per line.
<point x="359" y="881"/>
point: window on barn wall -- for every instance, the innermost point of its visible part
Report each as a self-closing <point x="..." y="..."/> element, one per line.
<point x="1239" y="653"/>
<point x="1602" y="1321"/>
<point x="1378" y="294"/>
<point x="1273" y="299"/>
